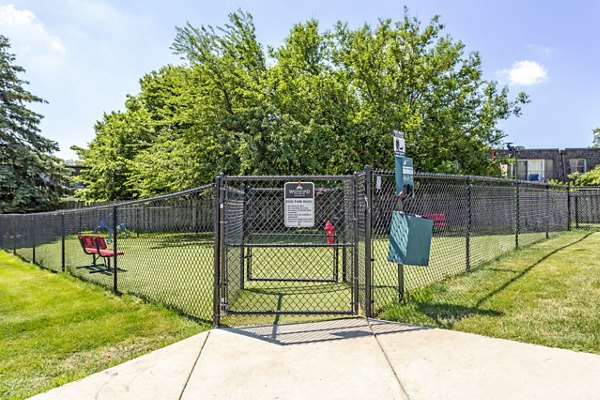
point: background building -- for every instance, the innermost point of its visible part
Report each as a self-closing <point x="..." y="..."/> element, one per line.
<point x="546" y="164"/>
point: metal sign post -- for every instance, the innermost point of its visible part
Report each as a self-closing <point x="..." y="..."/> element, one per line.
<point x="410" y="235"/>
<point x="400" y="163"/>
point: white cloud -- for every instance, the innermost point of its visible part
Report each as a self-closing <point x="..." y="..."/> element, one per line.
<point x="547" y="50"/>
<point x="541" y="50"/>
<point x="525" y="73"/>
<point x="10" y="16"/>
<point x="57" y="46"/>
<point x="27" y="33"/>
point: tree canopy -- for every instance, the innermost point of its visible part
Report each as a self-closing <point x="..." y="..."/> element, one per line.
<point x="31" y="178"/>
<point x="322" y="102"/>
<point x="596" y="137"/>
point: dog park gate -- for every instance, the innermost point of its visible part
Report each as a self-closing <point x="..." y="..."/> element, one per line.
<point x="265" y="267"/>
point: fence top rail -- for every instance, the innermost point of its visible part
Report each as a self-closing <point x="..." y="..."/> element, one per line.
<point x="280" y="190"/>
<point x="585" y="188"/>
<point x="349" y="177"/>
<point x="286" y="177"/>
<point x="121" y="203"/>
<point x="169" y="195"/>
<point x="472" y="178"/>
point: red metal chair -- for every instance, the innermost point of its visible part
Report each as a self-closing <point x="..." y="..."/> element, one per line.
<point x="97" y="248"/>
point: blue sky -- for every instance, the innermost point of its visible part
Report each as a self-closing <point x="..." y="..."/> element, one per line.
<point x="84" y="57"/>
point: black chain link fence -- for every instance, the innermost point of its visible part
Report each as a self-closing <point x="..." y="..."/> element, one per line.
<point x="268" y="267"/>
<point x="476" y="220"/>
<point x="585" y="207"/>
<point x="159" y="249"/>
<point x="222" y="252"/>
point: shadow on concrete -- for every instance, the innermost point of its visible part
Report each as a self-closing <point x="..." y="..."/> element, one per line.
<point x="325" y="331"/>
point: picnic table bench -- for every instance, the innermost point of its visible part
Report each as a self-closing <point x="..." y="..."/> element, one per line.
<point x="95" y="246"/>
<point x="438" y="219"/>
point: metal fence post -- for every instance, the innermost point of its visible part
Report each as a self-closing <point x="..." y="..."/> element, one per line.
<point x="115" y="236"/>
<point x="468" y="227"/>
<point x="518" y="214"/>
<point x="62" y="245"/>
<point x="568" y="208"/>
<point x="14" y="234"/>
<point x="223" y="263"/>
<point x="33" y="238"/>
<point x="547" y="211"/>
<point x="576" y="211"/>
<point x="355" y="243"/>
<point x="217" y="253"/>
<point x="242" y="255"/>
<point x="368" y="244"/>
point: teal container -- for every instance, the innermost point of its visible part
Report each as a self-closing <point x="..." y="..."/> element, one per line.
<point x="410" y="239"/>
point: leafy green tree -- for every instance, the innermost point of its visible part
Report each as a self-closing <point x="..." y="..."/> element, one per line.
<point x="314" y="104"/>
<point x="412" y="78"/>
<point x="230" y="65"/>
<point x="589" y="178"/>
<point x="31" y="178"/>
<point x="596" y="140"/>
<point x="323" y="102"/>
<point x="119" y="137"/>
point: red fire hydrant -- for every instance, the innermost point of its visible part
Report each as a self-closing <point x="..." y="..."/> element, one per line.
<point x="329" y="232"/>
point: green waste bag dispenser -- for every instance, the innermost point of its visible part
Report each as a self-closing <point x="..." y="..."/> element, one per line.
<point x="410" y="239"/>
<point x="410" y="235"/>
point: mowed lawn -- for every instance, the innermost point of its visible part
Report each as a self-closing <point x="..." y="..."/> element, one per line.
<point x="55" y="328"/>
<point x="547" y="293"/>
<point x="176" y="269"/>
<point x="447" y="258"/>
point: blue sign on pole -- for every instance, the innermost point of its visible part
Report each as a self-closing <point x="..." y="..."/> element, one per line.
<point x="405" y="181"/>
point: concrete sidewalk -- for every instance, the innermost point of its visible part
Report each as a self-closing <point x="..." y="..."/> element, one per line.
<point x="344" y="359"/>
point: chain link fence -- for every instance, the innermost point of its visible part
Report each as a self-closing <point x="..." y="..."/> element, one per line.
<point x="269" y="267"/>
<point x="159" y="249"/>
<point x="224" y="253"/>
<point x="585" y="207"/>
<point x="476" y="220"/>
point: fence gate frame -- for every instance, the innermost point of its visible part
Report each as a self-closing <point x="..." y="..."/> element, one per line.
<point x="231" y="194"/>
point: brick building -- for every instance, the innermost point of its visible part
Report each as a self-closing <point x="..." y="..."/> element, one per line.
<point x="546" y="164"/>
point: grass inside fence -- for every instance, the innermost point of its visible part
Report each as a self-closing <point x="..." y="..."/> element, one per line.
<point x="546" y="294"/>
<point x="56" y="329"/>
<point x="176" y="269"/>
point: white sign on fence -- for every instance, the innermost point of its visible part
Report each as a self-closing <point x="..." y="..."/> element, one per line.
<point x="299" y="204"/>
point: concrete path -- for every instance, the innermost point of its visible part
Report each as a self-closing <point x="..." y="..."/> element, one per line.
<point x="344" y="359"/>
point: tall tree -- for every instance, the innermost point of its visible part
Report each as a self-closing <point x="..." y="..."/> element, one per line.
<point x="410" y="77"/>
<point x="596" y="140"/>
<point x="324" y="102"/>
<point x="119" y="137"/>
<point x="31" y="178"/>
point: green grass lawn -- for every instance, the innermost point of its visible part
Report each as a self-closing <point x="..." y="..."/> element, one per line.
<point x="547" y="293"/>
<point x="176" y="269"/>
<point x="171" y="269"/>
<point x="55" y="329"/>
<point x="447" y="258"/>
